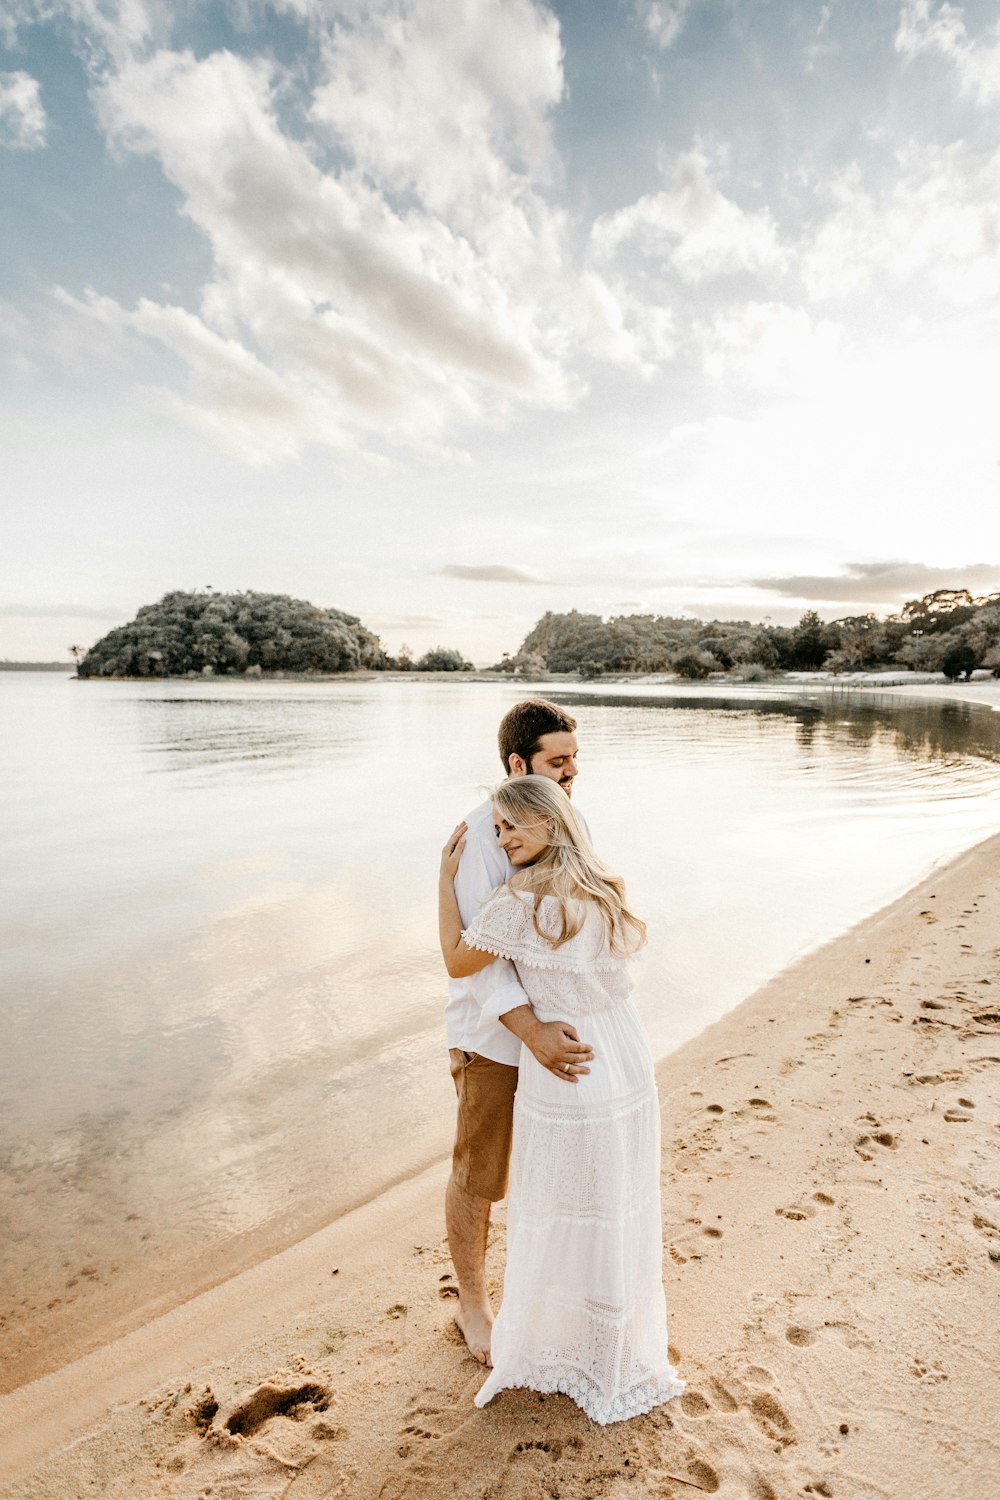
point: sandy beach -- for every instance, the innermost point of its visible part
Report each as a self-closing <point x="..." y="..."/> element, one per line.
<point x="831" y="1202"/>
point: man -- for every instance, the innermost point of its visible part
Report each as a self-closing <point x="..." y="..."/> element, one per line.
<point x="487" y="1019"/>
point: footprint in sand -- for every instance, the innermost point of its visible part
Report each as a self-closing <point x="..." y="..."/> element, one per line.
<point x="693" y="1247"/>
<point x="432" y="1414"/>
<point x="701" y="1474"/>
<point x="761" y="1406"/>
<point x="694" y="1404"/>
<point x="930" y="1374"/>
<point x="986" y="1227"/>
<point x="800" y="1211"/>
<point x="273" y="1400"/>
<point x="772" y="1418"/>
<point x="204" y="1411"/>
<point x="874" y="1135"/>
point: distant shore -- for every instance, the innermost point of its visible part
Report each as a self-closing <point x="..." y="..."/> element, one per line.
<point x="887" y="678"/>
<point x="833" y="1244"/>
<point x="38" y="666"/>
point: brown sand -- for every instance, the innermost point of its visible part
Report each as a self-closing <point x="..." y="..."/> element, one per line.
<point x="832" y="1223"/>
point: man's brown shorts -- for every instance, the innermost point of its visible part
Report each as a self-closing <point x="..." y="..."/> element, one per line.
<point x="485" y="1089"/>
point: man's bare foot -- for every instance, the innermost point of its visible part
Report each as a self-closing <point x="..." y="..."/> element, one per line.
<point x="475" y="1324"/>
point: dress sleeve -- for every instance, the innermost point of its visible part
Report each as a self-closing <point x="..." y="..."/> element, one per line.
<point x="502" y="927"/>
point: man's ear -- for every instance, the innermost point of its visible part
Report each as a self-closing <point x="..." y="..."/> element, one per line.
<point x="517" y="766"/>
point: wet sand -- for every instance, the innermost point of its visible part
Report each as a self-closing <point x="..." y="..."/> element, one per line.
<point x="831" y="1205"/>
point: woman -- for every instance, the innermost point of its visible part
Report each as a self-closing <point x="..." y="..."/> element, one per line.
<point x="583" y="1309"/>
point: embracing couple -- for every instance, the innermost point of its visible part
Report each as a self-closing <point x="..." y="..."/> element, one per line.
<point x="555" y="1086"/>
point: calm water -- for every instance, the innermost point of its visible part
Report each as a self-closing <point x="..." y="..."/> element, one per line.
<point x="221" y="990"/>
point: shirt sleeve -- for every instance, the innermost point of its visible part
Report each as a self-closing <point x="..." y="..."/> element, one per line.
<point x="481" y="870"/>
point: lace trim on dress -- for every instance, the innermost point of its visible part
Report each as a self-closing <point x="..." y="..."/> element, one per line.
<point x="533" y="959"/>
<point x="570" y="1380"/>
<point x="505" y="927"/>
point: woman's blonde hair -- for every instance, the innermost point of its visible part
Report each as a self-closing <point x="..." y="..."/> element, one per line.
<point x="569" y="869"/>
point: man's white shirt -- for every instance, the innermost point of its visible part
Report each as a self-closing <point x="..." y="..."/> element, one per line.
<point x="476" y="1003"/>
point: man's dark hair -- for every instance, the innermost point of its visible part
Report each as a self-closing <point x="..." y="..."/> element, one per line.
<point x="522" y="727"/>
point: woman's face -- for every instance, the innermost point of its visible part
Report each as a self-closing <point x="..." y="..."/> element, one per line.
<point x="522" y="846"/>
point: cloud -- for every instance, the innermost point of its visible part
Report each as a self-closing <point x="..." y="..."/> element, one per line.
<point x="454" y="108"/>
<point x="406" y="622"/>
<point x="941" y="216"/>
<point x="22" y="115"/>
<point x="63" y="611"/>
<point x="102" y="29"/>
<point x="490" y="573"/>
<point x="926" y="29"/>
<point x="769" y="345"/>
<point x="883" y="583"/>
<point x="392" y="269"/>
<point x="694" y="227"/>
<point x="663" y="19"/>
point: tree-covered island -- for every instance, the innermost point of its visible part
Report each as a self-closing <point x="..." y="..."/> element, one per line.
<point x="246" y="634"/>
<point x="947" y="631"/>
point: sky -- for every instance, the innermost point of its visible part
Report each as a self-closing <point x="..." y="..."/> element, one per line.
<point x="449" y="312"/>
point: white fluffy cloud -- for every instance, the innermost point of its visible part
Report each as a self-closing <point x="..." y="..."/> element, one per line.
<point x="941" y="217"/>
<point x="420" y="280"/>
<point x="22" y="114"/>
<point x="924" y="28"/>
<point x="451" y="104"/>
<point x="694" y="227"/>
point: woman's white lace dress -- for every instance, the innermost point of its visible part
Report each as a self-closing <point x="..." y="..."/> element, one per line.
<point x="583" y="1308"/>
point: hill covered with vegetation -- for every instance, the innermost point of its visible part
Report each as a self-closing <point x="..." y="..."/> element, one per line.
<point x="245" y="634"/>
<point x="948" y="631"/>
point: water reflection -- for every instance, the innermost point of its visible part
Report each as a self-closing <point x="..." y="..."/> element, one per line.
<point x="189" y="733"/>
<point x="926" y="730"/>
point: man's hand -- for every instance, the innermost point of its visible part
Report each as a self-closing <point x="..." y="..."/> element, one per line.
<point x="554" y="1044"/>
<point x="557" y="1047"/>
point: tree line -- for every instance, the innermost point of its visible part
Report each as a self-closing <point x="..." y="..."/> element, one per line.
<point x="251" y="633"/>
<point x="946" y="631"/>
<point x="246" y="634"/>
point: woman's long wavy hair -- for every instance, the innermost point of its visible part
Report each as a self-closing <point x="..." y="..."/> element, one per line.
<point x="569" y="869"/>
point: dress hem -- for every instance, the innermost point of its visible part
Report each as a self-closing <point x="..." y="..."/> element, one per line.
<point x="601" y="1413"/>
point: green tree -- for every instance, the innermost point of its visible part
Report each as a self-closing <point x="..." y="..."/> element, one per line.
<point x="231" y="634"/>
<point x="443" y="659"/>
<point x="959" y="661"/>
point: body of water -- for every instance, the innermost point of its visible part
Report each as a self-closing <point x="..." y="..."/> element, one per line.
<point x="222" y="995"/>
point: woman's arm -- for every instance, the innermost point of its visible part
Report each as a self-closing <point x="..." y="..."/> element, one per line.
<point x="459" y="959"/>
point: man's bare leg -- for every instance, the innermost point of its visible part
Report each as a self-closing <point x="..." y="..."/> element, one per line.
<point x="467" y="1217"/>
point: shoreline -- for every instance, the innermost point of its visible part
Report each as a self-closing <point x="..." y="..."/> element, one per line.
<point x="360" y="1309"/>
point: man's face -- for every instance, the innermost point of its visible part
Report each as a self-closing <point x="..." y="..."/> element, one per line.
<point x="555" y="758"/>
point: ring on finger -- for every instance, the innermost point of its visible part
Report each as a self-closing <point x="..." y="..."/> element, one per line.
<point x="565" y="1067"/>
